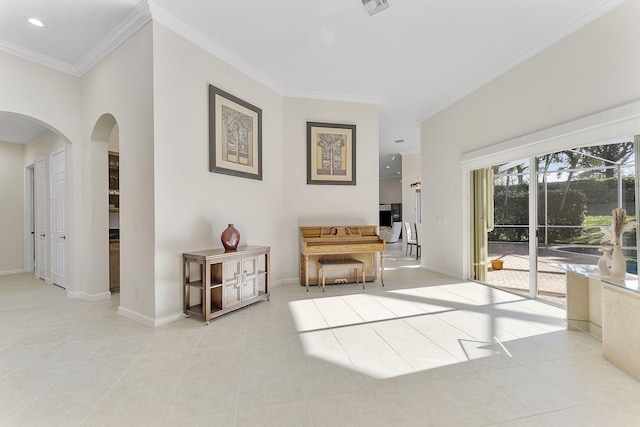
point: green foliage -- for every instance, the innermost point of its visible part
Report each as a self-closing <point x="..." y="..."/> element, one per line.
<point x="563" y="209"/>
<point x="511" y="205"/>
<point x="602" y="194"/>
<point x="512" y="208"/>
<point x="588" y="203"/>
<point x="597" y="220"/>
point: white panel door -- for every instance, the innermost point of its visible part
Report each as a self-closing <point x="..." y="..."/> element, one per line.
<point x="58" y="219"/>
<point x="29" y="219"/>
<point x="40" y="216"/>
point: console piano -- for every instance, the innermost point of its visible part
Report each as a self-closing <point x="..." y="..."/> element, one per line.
<point x="339" y="243"/>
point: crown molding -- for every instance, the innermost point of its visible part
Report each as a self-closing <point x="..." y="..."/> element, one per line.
<point x="39" y="58"/>
<point x="135" y="20"/>
<point x="160" y="15"/>
<point x="175" y="24"/>
<point x="528" y="54"/>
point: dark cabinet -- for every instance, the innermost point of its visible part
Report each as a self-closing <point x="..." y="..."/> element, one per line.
<point x="114" y="182"/>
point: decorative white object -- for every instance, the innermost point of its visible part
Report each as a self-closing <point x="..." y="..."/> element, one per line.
<point x="613" y="234"/>
<point x="602" y="262"/>
<point x="618" y="264"/>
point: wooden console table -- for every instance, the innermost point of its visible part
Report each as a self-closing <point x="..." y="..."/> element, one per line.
<point x="227" y="280"/>
<point x="607" y="308"/>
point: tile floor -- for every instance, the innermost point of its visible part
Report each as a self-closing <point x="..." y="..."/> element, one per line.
<point x="425" y="350"/>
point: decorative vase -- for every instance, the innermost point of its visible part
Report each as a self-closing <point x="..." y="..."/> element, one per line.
<point x="602" y="263"/>
<point x="618" y="264"/>
<point x="230" y="238"/>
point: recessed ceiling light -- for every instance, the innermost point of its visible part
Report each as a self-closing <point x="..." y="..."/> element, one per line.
<point x="388" y="167"/>
<point x="36" y="22"/>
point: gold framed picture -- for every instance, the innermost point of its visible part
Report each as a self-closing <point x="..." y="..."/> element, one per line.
<point x="331" y="154"/>
<point x="235" y="135"/>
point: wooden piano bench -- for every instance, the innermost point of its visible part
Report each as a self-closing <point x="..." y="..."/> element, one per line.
<point x="339" y="265"/>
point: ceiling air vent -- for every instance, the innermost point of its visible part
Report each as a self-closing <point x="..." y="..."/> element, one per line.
<point x="374" y="6"/>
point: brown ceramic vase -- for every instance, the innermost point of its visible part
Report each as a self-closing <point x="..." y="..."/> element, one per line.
<point x="230" y="238"/>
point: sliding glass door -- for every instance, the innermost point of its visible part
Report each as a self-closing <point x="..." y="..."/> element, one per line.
<point x="506" y="261"/>
<point x="549" y="210"/>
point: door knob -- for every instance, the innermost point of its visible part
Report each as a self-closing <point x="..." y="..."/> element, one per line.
<point x="42" y="235"/>
<point x="63" y="237"/>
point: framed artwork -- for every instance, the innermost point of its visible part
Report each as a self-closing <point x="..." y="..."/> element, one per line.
<point x="331" y="154"/>
<point x="235" y="135"/>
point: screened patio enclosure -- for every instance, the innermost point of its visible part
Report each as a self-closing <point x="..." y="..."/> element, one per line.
<point x="562" y="199"/>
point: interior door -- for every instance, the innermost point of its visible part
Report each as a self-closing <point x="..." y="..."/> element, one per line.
<point x="29" y="220"/>
<point x="40" y="215"/>
<point x="58" y="219"/>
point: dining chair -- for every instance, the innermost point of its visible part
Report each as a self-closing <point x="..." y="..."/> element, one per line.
<point x="411" y="239"/>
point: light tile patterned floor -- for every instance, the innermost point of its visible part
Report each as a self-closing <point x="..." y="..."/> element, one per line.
<point x="425" y="350"/>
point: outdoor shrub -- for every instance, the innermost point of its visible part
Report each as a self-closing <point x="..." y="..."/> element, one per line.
<point x="512" y="208"/>
<point x="565" y="210"/>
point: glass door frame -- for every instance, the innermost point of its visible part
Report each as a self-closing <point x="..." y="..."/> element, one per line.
<point x="533" y="227"/>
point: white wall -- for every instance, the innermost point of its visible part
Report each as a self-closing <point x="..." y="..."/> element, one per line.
<point x="52" y="98"/>
<point x="11" y="207"/>
<point x="595" y="69"/>
<point x="390" y="190"/>
<point x="42" y="146"/>
<point x="306" y="205"/>
<point x="33" y="90"/>
<point x="113" y="144"/>
<point x="122" y="85"/>
<point x="411" y="172"/>
<point x="193" y="206"/>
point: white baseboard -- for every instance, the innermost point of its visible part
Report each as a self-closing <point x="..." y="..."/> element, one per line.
<point x="6" y="272"/>
<point x="277" y="283"/>
<point x="446" y="273"/>
<point x="89" y="297"/>
<point x="148" y="321"/>
<point x="134" y="315"/>
<point x="168" y="319"/>
<point x="291" y="281"/>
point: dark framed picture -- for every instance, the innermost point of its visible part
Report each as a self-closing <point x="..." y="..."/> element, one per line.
<point x="235" y="135"/>
<point x="331" y="154"/>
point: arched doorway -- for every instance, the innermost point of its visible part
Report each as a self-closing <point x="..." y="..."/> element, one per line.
<point x="105" y="150"/>
<point x="35" y="227"/>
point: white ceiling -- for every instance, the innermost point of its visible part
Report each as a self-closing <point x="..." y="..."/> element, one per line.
<point x="414" y="58"/>
<point x="19" y="129"/>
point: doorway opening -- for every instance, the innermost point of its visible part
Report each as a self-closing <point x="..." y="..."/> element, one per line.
<point x="43" y="214"/>
<point x="105" y="159"/>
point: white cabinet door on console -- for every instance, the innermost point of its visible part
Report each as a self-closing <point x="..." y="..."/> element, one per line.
<point x="250" y="278"/>
<point x="240" y="280"/>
